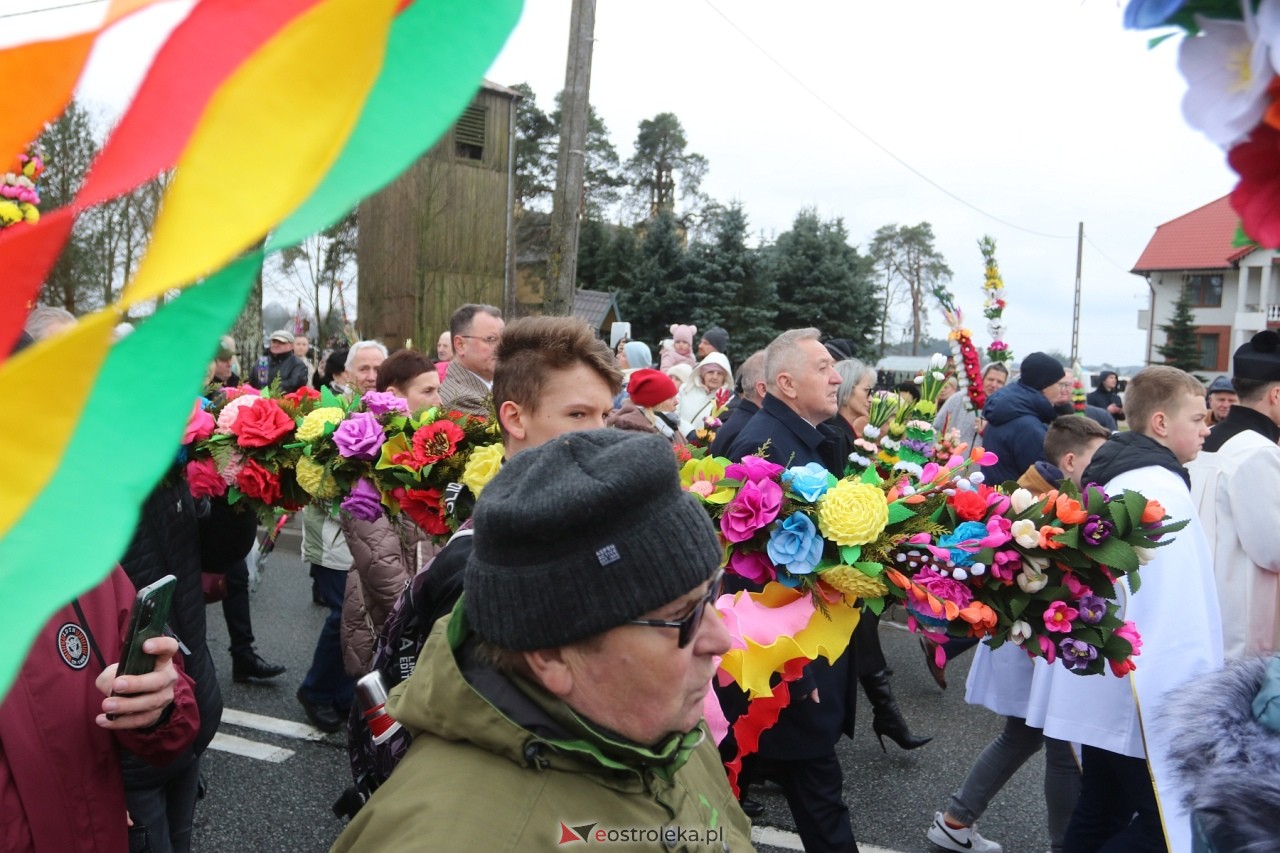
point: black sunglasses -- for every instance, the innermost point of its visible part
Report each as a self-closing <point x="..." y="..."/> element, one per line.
<point x="693" y="620"/>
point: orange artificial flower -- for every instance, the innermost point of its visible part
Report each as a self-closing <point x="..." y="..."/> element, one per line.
<point x="1046" y="537"/>
<point x="1070" y="511"/>
<point x="1049" y="498"/>
<point x="981" y="617"/>
<point x="1154" y="513"/>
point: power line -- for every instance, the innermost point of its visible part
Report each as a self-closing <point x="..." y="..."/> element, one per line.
<point x="921" y="175"/>
<point x="1105" y="256"/>
<point x="52" y="8"/>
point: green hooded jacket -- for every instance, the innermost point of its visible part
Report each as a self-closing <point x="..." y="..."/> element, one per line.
<point x="497" y="763"/>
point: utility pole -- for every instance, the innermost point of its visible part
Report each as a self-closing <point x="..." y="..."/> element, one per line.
<point x="1075" y="317"/>
<point x="562" y="259"/>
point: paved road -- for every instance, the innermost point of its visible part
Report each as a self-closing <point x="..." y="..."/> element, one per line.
<point x="256" y="804"/>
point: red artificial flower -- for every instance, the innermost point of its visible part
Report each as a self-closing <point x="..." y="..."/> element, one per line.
<point x="261" y="424"/>
<point x="436" y="441"/>
<point x="258" y="482"/>
<point x="204" y="480"/>
<point x="1257" y="196"/>
<point x="306" y="392"/>
<point x="969" y="506"/>
<point x="425" y="507"/>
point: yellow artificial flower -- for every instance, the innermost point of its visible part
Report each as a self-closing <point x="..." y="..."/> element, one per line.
<point x="852" y="513"/>
<point x="314" y="480"/>
<point x="702" y="477"/>
<point x="482" y="465"/>
<point x="9" y="212"/>
<point x="30" y="213"/>
<point x="312" y="426"/>
<point x="854" y="583"/>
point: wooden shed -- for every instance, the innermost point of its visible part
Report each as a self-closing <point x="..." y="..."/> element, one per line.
<point x="440" y="235"/>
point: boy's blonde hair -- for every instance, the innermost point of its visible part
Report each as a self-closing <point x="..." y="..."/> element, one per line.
<point x="1158" y="388"/>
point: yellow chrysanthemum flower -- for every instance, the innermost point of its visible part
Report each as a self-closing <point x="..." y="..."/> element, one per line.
<point x="314" y="480"/>
<point x="852" y="513"/>
<point x="312" y="426"/>
<point x="854" y="583"/>
<point x="482" y="465"/>
<point x="31" y="213"/>
<point x="9" y="212"/>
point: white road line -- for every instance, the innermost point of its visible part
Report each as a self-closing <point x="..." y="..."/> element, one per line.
<point x="249" y="748"/>
<point x="775" y="837"/>
<point x="271" y="725"/>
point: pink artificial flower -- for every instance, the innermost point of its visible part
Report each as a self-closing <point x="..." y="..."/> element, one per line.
<point x="1074" y="585"/>
<point x="754" y="506"/>
<point x="1058" y="617"/>
<point x="997" y="531"/>
<point x="240" y="391"/>
<point x="752" y="565"/>
<point x="1129" y="631"/>
<point x="753" y="469"/>
<point x="943" y="588"/>
<point x="1049" y="648"/>
<point x="200" y="425"/>
<point x="1006" y="564"/>
<point x="204" y="480"/>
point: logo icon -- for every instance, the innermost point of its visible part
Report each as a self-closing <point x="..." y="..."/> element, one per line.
<point x="573" y="834"/>
<point x="608" y="554"/>
<point x="73" y="645"/>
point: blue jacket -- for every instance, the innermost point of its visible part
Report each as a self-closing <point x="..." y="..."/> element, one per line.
<point x="1018" y="416"/>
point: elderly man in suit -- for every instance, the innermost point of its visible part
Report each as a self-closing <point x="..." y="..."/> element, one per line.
<point x="476" y="331"/>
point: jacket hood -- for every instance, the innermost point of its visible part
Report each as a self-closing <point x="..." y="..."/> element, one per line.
<point x="713" y="359"/>
<point x="1017" y="400"/>
<point x="1102" y="377"/>
<point x="1129" y="451"/>
<point x="452" y="695"/>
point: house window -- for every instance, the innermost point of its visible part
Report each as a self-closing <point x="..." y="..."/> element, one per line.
<point x="1208" y="346"/>
<point x="469" y="135"/>
<point x="1205" y="290"/>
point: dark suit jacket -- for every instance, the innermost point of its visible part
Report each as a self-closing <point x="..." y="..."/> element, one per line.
<point x="464" y="391"/>
<point x="742" y="412"/>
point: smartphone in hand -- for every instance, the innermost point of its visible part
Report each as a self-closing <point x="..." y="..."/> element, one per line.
<point x="148" y="619"/>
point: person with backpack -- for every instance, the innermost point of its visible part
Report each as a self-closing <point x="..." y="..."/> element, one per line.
<point x="553" y="376"/>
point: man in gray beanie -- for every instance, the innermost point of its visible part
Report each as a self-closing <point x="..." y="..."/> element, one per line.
<point x="568" y="684"/>
<point x="1019" y="414"/>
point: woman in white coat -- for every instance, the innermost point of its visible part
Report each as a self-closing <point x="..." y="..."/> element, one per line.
<point x="697" y="396"/>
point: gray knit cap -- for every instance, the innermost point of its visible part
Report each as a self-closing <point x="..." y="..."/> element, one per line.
<point x="581" y="535"/>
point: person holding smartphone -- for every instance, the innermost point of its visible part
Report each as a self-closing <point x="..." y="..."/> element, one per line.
<point x="61" y="786"/>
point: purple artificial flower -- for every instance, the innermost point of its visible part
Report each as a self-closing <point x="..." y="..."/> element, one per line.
<point x="752" y="508"/>
<point x="1091" y="609"/>
<point x="360" y="436"/>
<point x="364" y="502"/>
<point x="1077" y="654"/>
<point x="1096" y="530"/>
<point x="381" y="402"/>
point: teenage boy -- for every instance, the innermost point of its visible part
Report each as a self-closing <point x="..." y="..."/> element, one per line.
<point x="999" y="680"/>
<point x="1128" y="800"/>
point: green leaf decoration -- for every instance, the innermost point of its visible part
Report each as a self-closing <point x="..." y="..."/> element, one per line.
<point x="1018" y="604"/>
<point x="850" y="553"/>
<point x="1113" y="552"/>
<point x="875" y="605"/>
<point x="1069" y="537"/>
<point x="1135" y="504"/>
<point x="1135" y="580"/>
<point x="871" y="570"/>
<point x="900" y="512"/>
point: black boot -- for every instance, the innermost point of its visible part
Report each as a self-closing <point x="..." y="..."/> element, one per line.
<point x="249" y="666"/>
<point x="887" y="719"/>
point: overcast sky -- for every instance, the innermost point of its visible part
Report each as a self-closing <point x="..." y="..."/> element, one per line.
<point x="1036" y="115"/>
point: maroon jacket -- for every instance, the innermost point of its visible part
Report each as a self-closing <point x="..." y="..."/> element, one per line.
<point x="60" y="782"/>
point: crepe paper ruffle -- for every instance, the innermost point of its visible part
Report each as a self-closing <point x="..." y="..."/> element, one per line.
<point x="761" y="715"/>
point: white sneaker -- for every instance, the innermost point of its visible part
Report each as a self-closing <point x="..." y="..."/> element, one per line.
<point x="966" y="840"/>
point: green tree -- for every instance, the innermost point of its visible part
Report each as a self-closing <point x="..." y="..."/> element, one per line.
<point x="535" y="151"/>
<point x="602" y="178"/>
<point x="1181" y="347"/>
<point x="909" y="267"/>
<point x="822" y="281"/>
<point x="661" y="164"/>
<point x="320" y="271"/>
<point x="653" y="296"/>
<point x="727" y="288"/>
<point x="69" y="147"/>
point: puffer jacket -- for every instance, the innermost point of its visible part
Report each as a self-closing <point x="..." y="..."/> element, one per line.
<point x="167" y="541"/>
<point x="385" y="554"/>
<point x="1018" y="417"/>
<point x="501" y="765"/>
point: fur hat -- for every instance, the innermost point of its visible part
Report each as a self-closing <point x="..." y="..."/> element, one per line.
<point x="580" y="535"/>
<point x="1259" y="358"/>
<point x="683" y="333"/>
<point x="648" y="387"/>
<point x="1039" y="371"/>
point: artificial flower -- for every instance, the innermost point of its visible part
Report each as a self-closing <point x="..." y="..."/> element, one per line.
<point x="752" y="565"/>
<point x="1077" y="654"/>
<point x="424" y="506"/>
<point x="1058" y="616"/>
<point x="795" y="544"/>
<point x="482" y="465"/>
<point x="1092" y="609"/>
<point x="1068" y="510"/>
<point x="359" y="436"/>
<point x="306" y="392"/>
<point x="315" y="480"/>
<point x="314" y="425"/>
<point x="1074" y="585"/>
<point x="204" y="479"/>
<point x="363" y="502"/>
<point x="1145" y="555"/>
<point x="231" y="411"/>
<point x="1031" y="582"/>
<point x="1129" y="632"/>
<point x="1047" y="648"/>
<point x="852" y="513"/>
<point x="382" y="402"/>
<point x="752" y="469"/>
<point x="810" y="481"/>
<point x="1019" y="632"/>
<point x="963" y="542"/>
<point x="1121" y="668"/>
<point x="258" y="482"/>
<point x="1256" y="198"/>
<point x="260" y="424"/>
<point x="969" y="506"/>
<point x="943" y="588"/>
<point x="1153" y="513"/>
<point x="1047" y="532"/>
<point x="752" y="508"/>
<point x="230" y="469"/>
<point x="1006" y="564"/>
<point x="1097" y="530"/>
<point x="200" y="424"/>
<point x="1021" y="500"/>
<point x="436" y="441"/>
<point x="1145" y="14"/>
<point x="853" y="583"/>
<point x="1024" y="532"/>
<point x="702" y="477"/>
<point x="1228" y="70"/>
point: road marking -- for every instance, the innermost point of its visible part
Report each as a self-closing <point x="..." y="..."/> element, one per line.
<point x="249" y="748"/>
<point x="271" y="725"/>
<point x="775" y="837"/>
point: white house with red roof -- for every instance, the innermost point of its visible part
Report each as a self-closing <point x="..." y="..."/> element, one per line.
<point x="1234" y="291"/>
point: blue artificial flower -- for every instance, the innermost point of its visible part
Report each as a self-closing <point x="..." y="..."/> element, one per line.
<point x="795" y="544"/>
<point x="965" y="532"/>
<point x="810" y="481"/>
<point x="1145" y="14"/>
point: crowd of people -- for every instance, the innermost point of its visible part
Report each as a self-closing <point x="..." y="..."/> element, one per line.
<point x="565" y="720"/>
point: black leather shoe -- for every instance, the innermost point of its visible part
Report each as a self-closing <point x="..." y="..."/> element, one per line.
<point x="323" y="717"/>
<point x="250" y="666"/>
<point x="751" y="808"/>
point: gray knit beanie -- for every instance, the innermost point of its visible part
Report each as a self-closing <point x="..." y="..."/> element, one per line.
<point x="581" y="535"/>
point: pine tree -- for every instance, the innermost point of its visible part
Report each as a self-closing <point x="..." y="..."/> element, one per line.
<point x="1181" y="346"/>
<point x="653" y="296"/>
<point x="728" y="274"/>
